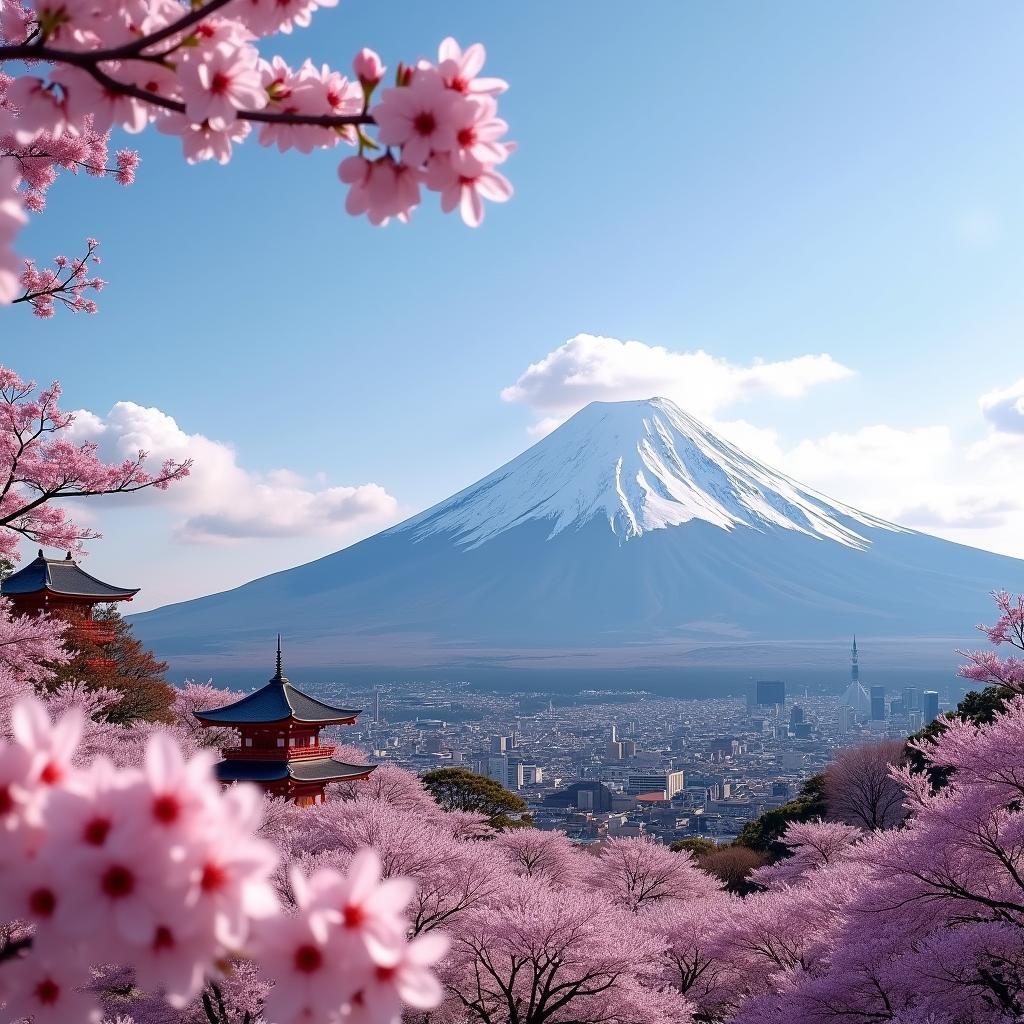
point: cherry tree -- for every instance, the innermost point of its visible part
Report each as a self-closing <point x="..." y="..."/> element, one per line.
<point x="198" y="72"/>
<point x="987" y="666"/>
<point x="860" y="789"/>
<point x="545" y="954"/>
<point x="640" y="874"/>
<point x="812" y="845"/>
<point x="41" y="469"/>
<point x="550" y="856"/>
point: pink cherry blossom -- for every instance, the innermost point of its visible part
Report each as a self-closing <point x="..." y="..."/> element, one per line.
<point x="48" y="990"/>
<point x="466" y="190"/>
<point x="201" y="142"/>
<point x="219" y="83"/>
<point x="40" y="110"/>
<point x="367" y="911"/>
<point x="477" y="134"/>
<point x="410" y="980"/>
<point x="460" y="69"/>
<point x="419" y="117"/>
<point x="85" y="97"/>
<point x="50" y="745"/>
<point x="381" y="189"/>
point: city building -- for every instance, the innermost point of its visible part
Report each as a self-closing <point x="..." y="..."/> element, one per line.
<point x="280" y="749"/>
<point x="877" y="703"/>
<point x="930" y="706"/>
<point x="669" y="783"/>
<point x="770" y="691"/>
<point x="591" y="796"/>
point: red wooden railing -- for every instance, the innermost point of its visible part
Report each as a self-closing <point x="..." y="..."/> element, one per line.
<point x="278" y="753"/>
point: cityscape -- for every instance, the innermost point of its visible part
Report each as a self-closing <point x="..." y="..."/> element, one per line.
<point x="633" y="764"/>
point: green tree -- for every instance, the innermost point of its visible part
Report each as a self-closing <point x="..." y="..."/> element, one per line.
<point x="458" y="789"/>
<point x="763" y="834"/>
<point x="697" y="845"/>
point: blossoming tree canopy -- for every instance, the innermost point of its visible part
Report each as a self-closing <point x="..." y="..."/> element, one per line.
<point x="40" y="466"/>
<point x="161" y="869"/>
<point x="83" y="67"/>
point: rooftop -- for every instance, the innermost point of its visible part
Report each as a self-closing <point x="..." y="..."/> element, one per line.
<point x="278" y="701"/>
<point x="323" y="769"/>
<point x="62" y="576"/>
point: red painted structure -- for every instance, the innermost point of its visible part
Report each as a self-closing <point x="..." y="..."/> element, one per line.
<point x="62" y="588"/>
<point x="279" y="741"/>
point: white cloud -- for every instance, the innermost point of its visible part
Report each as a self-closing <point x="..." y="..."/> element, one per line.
<point x="588" y="368"/>
<point x="222" y="500"/>
<point x="1004" y="408"/>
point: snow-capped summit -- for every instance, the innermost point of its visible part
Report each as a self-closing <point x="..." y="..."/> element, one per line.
<point x="630" y="537"/>
<point x="638" y="466"/>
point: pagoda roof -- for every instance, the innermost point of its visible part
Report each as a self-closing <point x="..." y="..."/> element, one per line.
<point x="62" y="576"/>
<point x="278" y="701"/>
<point x="320" y="769"/>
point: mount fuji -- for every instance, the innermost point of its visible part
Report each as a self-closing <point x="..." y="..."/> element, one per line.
<point x="631" y="537"/>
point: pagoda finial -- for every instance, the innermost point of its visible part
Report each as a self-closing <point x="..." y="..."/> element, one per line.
<point x="279" y="674"/>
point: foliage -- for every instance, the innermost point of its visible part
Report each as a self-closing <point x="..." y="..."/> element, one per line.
<point x="122" y="665"/>
<point x="459" y="789"/>
<point x="765" y="833"/>
<point x="697" y="845"/>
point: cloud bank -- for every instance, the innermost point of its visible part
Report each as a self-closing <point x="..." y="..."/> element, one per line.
<point x="589" y="368"/>
<point x="222" y="500"/>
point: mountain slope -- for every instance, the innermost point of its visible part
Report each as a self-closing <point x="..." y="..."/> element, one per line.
<point x="631" y="536"/>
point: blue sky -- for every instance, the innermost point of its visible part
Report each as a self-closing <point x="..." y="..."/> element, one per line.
<point x="759" y="181"/>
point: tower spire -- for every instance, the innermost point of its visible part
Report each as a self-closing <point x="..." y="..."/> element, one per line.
<point x="854" y="662"/>
<point x="279" y="674"/>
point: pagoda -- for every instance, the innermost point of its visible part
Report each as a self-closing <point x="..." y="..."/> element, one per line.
<point x="280" y="749"/>
<point x="62" y="588"/>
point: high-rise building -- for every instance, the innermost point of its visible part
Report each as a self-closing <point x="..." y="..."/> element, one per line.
<point x="915" y="720"/>
<point x="533" y="775"/>
<point x="930" y="705"/>
<point x="877" y="703"/>
<point x="846" y="718"/>
<point x="499" y="744"/>
<point x="614" y="736"/>
<point x="771" y="691"/>
<point x="505" y="772"/>
<point x="911" y="699"/>
<point x="854" y="662"/>
<point x="796" y="715"/>
<point x="613" y="750"/>
<point x="628" y="748"/>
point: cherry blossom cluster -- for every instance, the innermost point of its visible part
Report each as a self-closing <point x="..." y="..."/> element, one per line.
<point x="29" y="170"/>
<point x="67" y="282"/>
<point x="987" y="666"/>
<point x="159" y="870"/>
<point x="197" y="72"/>
<point x="40" y="466"/>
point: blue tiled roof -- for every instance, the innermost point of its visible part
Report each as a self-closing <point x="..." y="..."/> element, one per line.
<point x="62" y="576"/>
<point x="321" y="769"/>
<point x="277" y="702"/>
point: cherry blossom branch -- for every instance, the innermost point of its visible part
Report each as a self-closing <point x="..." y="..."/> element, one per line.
<point x="44" y="287"/>
<point x="90" y="60"/>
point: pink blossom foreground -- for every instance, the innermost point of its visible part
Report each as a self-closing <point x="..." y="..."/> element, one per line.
<point x="197" y="72"/>
<point x="159" y="870"/>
